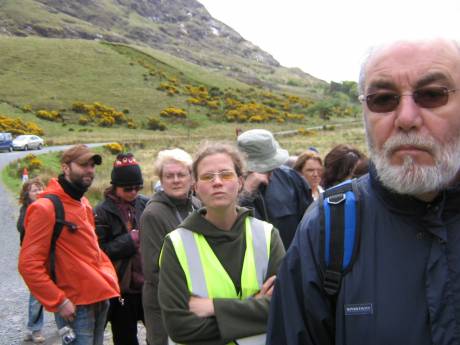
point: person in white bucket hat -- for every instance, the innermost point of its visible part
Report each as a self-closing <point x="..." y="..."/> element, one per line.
<point x="276" y="193"/>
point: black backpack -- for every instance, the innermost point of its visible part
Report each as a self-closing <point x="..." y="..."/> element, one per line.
<point x="59" y="224"/>
<point x="340" y="233"/>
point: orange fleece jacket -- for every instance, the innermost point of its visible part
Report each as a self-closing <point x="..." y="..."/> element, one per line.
<point x="84" y="273"/>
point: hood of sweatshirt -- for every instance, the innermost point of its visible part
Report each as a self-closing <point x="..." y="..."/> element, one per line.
<point x="196" y="222"/>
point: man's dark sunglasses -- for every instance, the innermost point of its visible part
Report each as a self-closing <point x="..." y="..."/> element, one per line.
<point x="129" y="189"/>
<point x="426" y="97"/>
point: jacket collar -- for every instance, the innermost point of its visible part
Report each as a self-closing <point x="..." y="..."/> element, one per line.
<point x="71" y="189"/>
<point x="447" y="202"/>
<point x="400" y="203"/>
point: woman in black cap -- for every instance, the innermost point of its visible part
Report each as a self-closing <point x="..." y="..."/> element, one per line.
<point x="117" y="224"/>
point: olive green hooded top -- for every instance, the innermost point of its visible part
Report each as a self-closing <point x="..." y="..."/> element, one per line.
<point x="233" y="318"/>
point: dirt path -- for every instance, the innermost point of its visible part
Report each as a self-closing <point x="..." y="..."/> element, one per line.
<point x="13" y="291"/>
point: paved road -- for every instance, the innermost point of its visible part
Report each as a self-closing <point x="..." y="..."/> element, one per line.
<point x="13" y="292"/>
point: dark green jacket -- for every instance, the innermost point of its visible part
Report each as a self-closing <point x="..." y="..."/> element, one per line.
<point x="233" y="318"/>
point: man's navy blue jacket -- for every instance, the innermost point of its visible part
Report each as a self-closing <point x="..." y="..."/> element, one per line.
<point x="404" y="288"/>
<point x="282" y="203"/>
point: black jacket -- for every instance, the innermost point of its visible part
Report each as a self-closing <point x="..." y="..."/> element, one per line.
<point x="282" y="202"/>
<point x="111" y="230"/>
<point x="20" y="223"/>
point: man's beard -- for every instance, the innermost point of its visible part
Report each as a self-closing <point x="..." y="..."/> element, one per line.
<point x="412" y="178"/>
<point x="79" y="180"/>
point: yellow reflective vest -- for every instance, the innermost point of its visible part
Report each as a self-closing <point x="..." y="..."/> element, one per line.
<point x="208" y="278"/>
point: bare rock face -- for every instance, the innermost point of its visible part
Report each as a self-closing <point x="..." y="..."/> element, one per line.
<point x="183" y="28"/>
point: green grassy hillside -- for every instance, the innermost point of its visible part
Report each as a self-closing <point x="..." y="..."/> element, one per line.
<point x="54" y="73"/>
<point x="138" y="84"/>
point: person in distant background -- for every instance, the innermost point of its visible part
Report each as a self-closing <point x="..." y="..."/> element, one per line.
<point x="29" y="193"/>
<point x="117" y="227"/>
<point x="290" y="161"/>
<point x="276" y="193"/>
<point x="340" y="164"/>
<point x="310" y="166"/>
<point x="164" y="212"/>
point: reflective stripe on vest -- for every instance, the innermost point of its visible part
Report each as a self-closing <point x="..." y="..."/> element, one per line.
<point x="208" y="278"/>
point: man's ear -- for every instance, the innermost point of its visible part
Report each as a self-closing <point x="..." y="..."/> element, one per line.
<point x="65" y="168"/>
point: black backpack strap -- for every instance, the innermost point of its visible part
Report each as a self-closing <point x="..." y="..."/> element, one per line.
<point x="340" y="232"/>
<point x="58" y="226"/>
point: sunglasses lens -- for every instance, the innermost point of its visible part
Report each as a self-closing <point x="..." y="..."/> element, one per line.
<point x="425" y="97"/>
<point x="206" y="177"/>
<point x="227" y="175"/>
<point x="132" y="188"/>
<point x="431" y="97"/>
<point x="382" y="102"/>
<point x="223" y="175"/>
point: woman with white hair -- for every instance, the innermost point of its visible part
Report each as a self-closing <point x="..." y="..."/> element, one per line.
<point x="164" y="212"/>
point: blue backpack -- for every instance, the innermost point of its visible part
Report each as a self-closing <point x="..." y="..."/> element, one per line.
<point x="340" y="233"/>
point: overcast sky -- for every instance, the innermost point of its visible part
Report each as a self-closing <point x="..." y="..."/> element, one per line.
<point x="329" y="38"/>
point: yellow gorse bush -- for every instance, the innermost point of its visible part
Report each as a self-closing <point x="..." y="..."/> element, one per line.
<point x="114" y="148"/>
<point x="49" y="115"/>
<point x="169" y="88"/>
<point x="173" y="112"/>
<point x="102" y="115"/>
<point x="18" y="126"/>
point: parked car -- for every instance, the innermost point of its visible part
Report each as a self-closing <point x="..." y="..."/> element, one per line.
<point x="27" y="142"/>
<point x="6" y="141"/>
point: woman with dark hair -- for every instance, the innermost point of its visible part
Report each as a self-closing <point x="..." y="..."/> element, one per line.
<point x="340" y="164"/>
<point x="29" y="193"/>
<point x="310" y="166"/>
<point x="117" y="228"/>
<point x="217" y="269"/>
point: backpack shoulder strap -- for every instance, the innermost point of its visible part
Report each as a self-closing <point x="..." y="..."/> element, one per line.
<point x="58" y="226"/>
<point x="340" y="232"/>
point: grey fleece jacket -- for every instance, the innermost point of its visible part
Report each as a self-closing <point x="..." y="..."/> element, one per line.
<point x="161" y="215"/>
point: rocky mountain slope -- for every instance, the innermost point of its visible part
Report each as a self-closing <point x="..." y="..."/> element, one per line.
<point x="183" y="28"/>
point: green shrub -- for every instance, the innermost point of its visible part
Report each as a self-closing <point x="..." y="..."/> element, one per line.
<point x="155" y="124"/>
<point x="27" y="108"/>
<point x="31" y="163"/>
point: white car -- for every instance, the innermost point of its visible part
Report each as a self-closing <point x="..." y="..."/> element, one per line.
<point x="28" y="142"/>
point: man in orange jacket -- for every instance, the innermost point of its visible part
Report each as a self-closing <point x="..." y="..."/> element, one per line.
<point x="85" y="277"/>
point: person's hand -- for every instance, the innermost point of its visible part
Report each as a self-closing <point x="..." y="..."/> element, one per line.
<point x="135" y="236"/>
<point x="253" y="180"/>
<point x="267" y="288"/>
<point x="67" y="311"/>
<point x="201" y="307"/>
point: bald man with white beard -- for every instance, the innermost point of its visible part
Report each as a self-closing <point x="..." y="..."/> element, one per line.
<point x="405" y="281"/>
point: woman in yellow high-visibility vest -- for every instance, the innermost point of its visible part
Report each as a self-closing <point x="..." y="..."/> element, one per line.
<point x="218" y="268"/>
